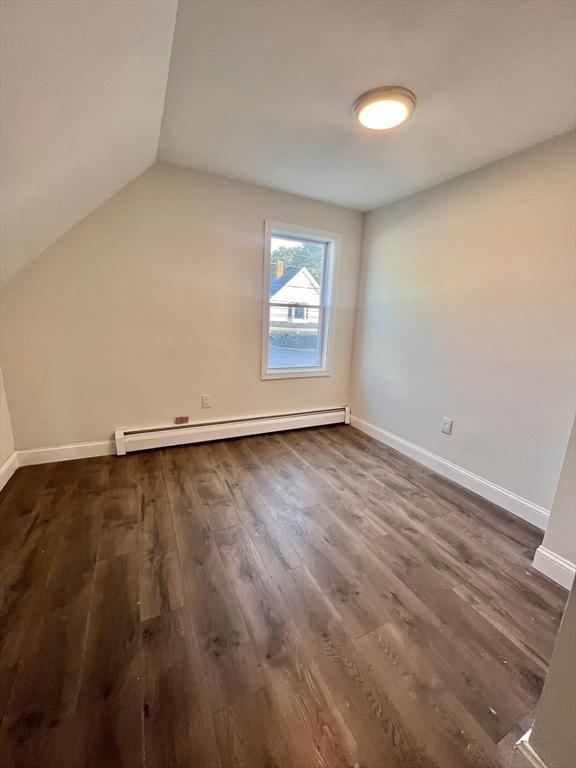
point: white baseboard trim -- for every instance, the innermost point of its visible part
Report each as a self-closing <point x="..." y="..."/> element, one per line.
<point x="65" y="452"/>
<point x="528" y="752"/>
<point x="557" y="568"/>
<point x="531" y="756"/>
<point x="527" y="510"/>
<point x="8" y="468"/>
<point x="172" y="436"/>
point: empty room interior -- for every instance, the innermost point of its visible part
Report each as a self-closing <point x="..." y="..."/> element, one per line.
<point x="288" y="384"/>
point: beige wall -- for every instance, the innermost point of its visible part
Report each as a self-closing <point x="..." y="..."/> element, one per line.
<point x="6" y="436"/>
<point x="554" y="735"/>
<point x="467" y="310"/>
<point x="153" y="300"/>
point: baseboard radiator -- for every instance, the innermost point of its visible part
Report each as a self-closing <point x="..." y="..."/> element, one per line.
<point x="144" y="438"/>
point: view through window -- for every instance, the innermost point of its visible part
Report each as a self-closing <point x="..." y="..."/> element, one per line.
<point x="297" y="303"/>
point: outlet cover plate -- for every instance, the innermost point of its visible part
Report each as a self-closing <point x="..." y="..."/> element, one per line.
<point x="446" y="427"/>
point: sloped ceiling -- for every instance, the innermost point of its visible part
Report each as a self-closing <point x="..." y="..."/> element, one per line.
<point x="83" y="86"/>
<point x="261" y="90"/>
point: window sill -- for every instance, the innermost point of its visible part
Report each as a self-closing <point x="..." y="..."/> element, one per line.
<point x="295" y="373"/>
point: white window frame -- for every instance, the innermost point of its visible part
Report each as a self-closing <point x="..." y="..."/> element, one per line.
<point x="332" y="242"/>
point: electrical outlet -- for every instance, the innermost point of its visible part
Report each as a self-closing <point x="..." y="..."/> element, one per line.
<point x="446" y="427"/>
<point x="206" y="401"/>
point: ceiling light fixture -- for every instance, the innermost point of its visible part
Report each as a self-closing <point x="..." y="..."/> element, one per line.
<point x="384" y="108"/>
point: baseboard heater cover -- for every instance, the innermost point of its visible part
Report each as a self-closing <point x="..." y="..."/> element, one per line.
<point x="144" y="438"/>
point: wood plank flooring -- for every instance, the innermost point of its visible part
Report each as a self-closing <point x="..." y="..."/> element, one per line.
<point x="305" y="599"/>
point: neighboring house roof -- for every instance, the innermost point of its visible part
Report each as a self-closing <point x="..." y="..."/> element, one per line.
<point x="277" y="283"/>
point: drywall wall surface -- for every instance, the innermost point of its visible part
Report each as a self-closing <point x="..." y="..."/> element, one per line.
<point x="155" y="299"/>
<point x="560" y="535"/>
<point x="553" y="735"/>
<point x="82" y="90"/>
<point x="6" y="436"/>
<point x="467" y="309"/>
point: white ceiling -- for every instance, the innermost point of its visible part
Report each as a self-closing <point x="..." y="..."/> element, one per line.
<point x="83" y="86"/>
<point x="262" y="91"/>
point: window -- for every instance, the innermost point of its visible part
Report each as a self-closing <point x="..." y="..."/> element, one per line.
<point x="299" y="267"/>
<point x="300" y="313"/>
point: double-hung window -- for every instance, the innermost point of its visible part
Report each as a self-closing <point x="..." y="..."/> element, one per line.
<point x="298" y="284"/>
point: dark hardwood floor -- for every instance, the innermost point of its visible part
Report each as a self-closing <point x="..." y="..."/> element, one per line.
<point x="304" y="599"/>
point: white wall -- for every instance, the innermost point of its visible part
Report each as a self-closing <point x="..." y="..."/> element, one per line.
<point x="81" y="103"/>
<point x="6" y="436"/>
<point x="153" y="300"/>
<point x="553" y="734"/>
<point x="561" y="532"/>
<point x="560" y="538"/>
<point x="467" y="310"/>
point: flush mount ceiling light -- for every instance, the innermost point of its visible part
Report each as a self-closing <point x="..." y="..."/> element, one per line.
<point x="384" y="108"/>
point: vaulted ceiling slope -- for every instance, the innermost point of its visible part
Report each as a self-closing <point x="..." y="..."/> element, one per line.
<point x="261" y="90"/>
<point x="83" y="87"/>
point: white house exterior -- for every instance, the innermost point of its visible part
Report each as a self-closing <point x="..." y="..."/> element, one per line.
<point x="294" y="287"/>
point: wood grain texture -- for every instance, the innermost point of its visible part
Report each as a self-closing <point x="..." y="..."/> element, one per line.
<point x="177" y="727"/>
<point x="304" y="599"/>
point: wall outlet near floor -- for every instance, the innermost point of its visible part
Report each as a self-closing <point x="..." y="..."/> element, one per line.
<point x="181" y="419"/>
<point x="206" y="401"/>
<point x="446" y="427"/>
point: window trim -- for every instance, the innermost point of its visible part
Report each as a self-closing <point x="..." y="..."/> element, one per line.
<point x="326" y="322"/>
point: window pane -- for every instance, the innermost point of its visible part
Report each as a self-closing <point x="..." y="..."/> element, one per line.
<point x="293" y="340"/>
<point x="296" y="295"/>
<point x="296" y="271"/>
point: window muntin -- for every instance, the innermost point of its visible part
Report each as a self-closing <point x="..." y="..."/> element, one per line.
<point x="299" y="268"/>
